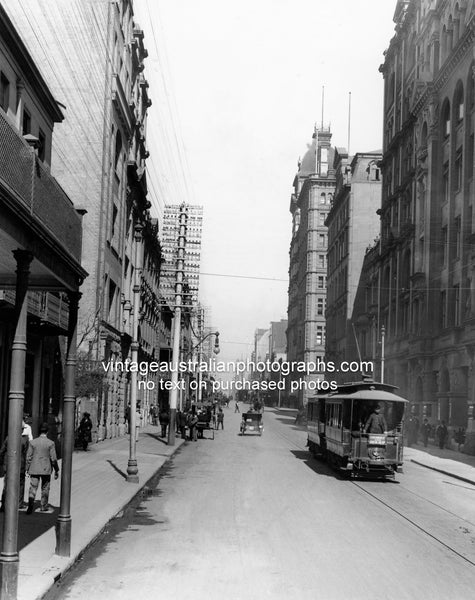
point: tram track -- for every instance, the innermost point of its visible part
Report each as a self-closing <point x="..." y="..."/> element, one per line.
<point x="395" y="510"/>
<point x="412" y="522"/>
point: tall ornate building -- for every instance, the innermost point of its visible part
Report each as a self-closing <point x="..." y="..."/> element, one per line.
<point x="352" y="225"/>
<point x="95" y="68"/>
<point x="314" y="185"/>
<point x="425" y="287"/>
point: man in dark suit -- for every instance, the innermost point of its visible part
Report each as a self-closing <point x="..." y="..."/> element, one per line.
<point x="376" y="422"/>
<point x="40" y="461"/>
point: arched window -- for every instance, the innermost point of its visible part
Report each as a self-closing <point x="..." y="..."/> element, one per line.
<point x="459" y="103"/>
<point x="374" y="173"/>
<point x="450" y="35"/>
<point x="457" y="16"/>
<point x="445" y="120"/>
<point x="443" y="46"/>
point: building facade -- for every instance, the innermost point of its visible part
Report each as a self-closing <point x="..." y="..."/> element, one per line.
<point x="314" y="186"/>
<point x="40" y="278"/>
<point x="36" y="216"/>
<point x="426" y="262"/>
<point x="97" y="72"/>
<point x="352" y="225"/>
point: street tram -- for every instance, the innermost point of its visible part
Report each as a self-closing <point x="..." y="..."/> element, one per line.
<point x="340" y="431"/>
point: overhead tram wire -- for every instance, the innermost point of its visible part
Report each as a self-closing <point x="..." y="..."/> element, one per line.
<point x="177" y="156"/>
<point x="163" y="153"/>
<point x="56" y="68"/>
<point x="165" y="77"/>
<point x="182" y="148"/>
<point x="245" y="277"/>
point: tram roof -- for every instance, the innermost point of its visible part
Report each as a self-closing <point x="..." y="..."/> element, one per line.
<point x="366" y="389"/>
<point x="367" y="395"/>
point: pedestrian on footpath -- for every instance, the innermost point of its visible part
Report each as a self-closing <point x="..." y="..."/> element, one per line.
<point x="442" y="434"/>
<point x="164" y="418"/>
<point x="3" y="452"/>
<point x="181" y="424"/>
<point x="85" y="428"/>
<point x="220" y="419"/>
<point x="153" y="414"/>
<point x="425" y="432"/>
<point x="236" y="407"/>
<point x="192" y="424"/>
<point x="40" y="461"/>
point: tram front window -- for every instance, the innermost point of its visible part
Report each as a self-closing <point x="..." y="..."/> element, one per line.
<point x="391" y="411"/>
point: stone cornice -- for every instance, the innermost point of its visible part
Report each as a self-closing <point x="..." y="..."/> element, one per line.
<point x="464" y="45"/>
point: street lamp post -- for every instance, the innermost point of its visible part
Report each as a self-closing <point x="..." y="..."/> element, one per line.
<point x="216" y="350"/>
<point x="132" y="467"/>
<point x="280" y="378"/>
<point x="383" y="332"/>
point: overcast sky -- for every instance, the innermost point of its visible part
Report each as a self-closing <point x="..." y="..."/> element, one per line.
<point x="236" y="90"/>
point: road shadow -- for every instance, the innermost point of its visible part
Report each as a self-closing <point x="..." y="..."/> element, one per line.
<point x="316" y="465"/>
<point x="322" y="468"/>
<point x="32" y="526"/>
<point x="155" y="436"/>
<point x="116" y="468"/>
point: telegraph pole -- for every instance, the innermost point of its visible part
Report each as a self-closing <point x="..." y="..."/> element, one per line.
<point x="180" y="266"/>
<point x="199" y="395"/>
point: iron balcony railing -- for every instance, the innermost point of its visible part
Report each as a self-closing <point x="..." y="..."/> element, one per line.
<point x="51" y="308"/>
<point x="30" y="188"/>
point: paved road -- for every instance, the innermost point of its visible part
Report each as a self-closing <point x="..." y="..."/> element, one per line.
<point x="256" y="517"/>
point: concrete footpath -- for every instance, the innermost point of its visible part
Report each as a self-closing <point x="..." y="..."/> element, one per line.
<point x="449" y="462"/>
<point x="99" y="492"/>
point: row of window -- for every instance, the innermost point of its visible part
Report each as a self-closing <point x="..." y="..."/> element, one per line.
<point x="411" y="315"/>
<point x="316" y="261"/>
<point x="26" y="123"/>
<point x="338" y="250"/>
<point x="431" y="56"/>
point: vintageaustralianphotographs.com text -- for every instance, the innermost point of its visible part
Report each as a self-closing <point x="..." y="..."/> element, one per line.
<point x="239" y="367"/>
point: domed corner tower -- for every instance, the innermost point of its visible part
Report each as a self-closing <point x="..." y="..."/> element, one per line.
<point x="314" y="186"/>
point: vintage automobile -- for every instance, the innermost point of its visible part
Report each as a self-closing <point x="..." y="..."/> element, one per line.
<point x="252" y="422"/>
<point x="339" y="428"/>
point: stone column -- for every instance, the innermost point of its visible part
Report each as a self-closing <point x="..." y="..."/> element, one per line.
<point x="9" y="559"/>
<point x="37" y="391"/>
<point x="63" y="524"/>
